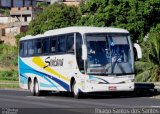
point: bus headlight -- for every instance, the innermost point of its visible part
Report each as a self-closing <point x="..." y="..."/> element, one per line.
<point x="129" y="81"/>
<point x="96" y="81"/>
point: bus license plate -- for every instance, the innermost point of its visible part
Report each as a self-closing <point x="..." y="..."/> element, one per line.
<point x="112" y="88"/>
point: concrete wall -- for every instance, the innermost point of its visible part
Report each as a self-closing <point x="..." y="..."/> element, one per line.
<point x="5" y="20"/>
<point x="12" y="31"/>
<point x="21" y="19"/>
<point x="53" y="1"/>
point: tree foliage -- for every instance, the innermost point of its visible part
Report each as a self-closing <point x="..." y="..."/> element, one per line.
<point x="137" y="16"/>
<point x="54" y="16"/>
<point x="149" y="68"/>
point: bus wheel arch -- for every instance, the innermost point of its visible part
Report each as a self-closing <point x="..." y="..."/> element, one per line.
<point x="75" y="89"/>
<point x="71" y="83"/>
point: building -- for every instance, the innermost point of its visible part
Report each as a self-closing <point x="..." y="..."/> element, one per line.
<point x="67" y="2"/>
<point x="72" y="2"/>
<point x="17" y="22"/>
<point x="24" y="14"/>
<point x="47" y="1"/>
<point x="17" y="3"/>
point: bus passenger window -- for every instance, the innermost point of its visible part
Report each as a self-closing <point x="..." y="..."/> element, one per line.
<point x="61" y="43"/>
<point x="53" y="45"/>
<point x="80" y="62"/>
<point x="30" y="48"/>
<point x="38" y="46"/>
<point x="25" y="52"/>
<point x="70" y="43"/>
<point x="45" y="46"/>
<point x="21" y="49"/>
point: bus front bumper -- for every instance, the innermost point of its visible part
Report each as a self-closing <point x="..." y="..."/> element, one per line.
<point x="109" y="87"/>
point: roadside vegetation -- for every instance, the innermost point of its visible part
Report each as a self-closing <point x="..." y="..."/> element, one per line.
<point x="5" y="11"/>
<point x="8" y="66"/>
<point x="141" y="18"/>
<point x="9" y="75"/>
<point x="9" y="79"/>
<point x="149" y="68"/>
<point x="8" y="56"/>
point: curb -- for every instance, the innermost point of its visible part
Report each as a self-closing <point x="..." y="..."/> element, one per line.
<point x="15" y="89"/>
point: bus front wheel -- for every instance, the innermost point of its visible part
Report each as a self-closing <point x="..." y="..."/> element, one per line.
<point x="75" y="90"/>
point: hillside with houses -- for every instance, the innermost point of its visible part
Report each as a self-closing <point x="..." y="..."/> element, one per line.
<point x="15" y="16"/>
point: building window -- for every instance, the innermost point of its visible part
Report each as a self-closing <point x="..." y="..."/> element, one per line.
<point x="45" y="43"/>
<point x="38" y="46"/>
<point x="70" y="43"/>
<point x="21" y="49"/>
<point x="25" y="51"/>
<point x="53" y="43"/>
<point x="30" y="48"/>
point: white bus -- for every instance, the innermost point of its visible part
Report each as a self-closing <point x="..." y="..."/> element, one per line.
<point x="77" y="59"/>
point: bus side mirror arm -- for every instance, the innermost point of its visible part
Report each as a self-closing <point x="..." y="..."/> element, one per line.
<point x="138" y="50"/>
<point x="84" y="52"/>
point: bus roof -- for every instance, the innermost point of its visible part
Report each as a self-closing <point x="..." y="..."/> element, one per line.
<point x="80" y="29"/>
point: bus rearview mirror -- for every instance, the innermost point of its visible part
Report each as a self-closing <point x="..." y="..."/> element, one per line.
<point x="84" y="52"/>
<point x="138" y="50"/>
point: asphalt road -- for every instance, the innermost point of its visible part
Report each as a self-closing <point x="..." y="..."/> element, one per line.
<point x="21" y="101"/>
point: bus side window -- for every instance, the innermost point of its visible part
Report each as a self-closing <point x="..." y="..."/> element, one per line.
<point x="45" y="45"/>
<point x="53" y="43"/>
<point x="80" y="62"/>
<point x="38" y="46"/>
<point x="25" y="51"/>
<point x="30" y="48"/>
<point x="21" y="49"/>
<point x="61" y="43"/>
<point x="70" y="43"/>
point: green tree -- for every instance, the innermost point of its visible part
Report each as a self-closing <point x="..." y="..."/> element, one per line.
<point x="53" y="17"/>
<point x="149" y="68"/>
<point x="137" y="16"/>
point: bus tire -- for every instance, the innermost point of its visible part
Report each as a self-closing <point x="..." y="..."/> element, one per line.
<point x="75" y="90"/>
<point x="31" y="87"/>
<point x="36" y="88"/>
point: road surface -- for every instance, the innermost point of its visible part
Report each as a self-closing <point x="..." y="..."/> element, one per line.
<point x="23" y="102"/>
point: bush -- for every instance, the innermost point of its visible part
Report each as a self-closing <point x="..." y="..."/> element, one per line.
<point x="11" y="75"/>
<point x="8" y="55"/>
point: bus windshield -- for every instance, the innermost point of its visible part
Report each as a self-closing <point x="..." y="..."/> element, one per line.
<point x="109" y="54"/>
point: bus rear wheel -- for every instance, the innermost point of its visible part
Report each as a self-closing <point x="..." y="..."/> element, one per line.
<point x="36" y="88"/>
<point x="75" y="91"/>
<point x="31" y="87"/>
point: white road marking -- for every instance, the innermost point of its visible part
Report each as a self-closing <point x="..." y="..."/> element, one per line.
<point x="155" y="106"/>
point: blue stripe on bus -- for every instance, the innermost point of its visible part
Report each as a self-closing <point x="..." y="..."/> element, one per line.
<point x="23" y="79"/>
<point x="45" y="85"/>
<point x="27" y="69"/>
<point x="23" y="76"/>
